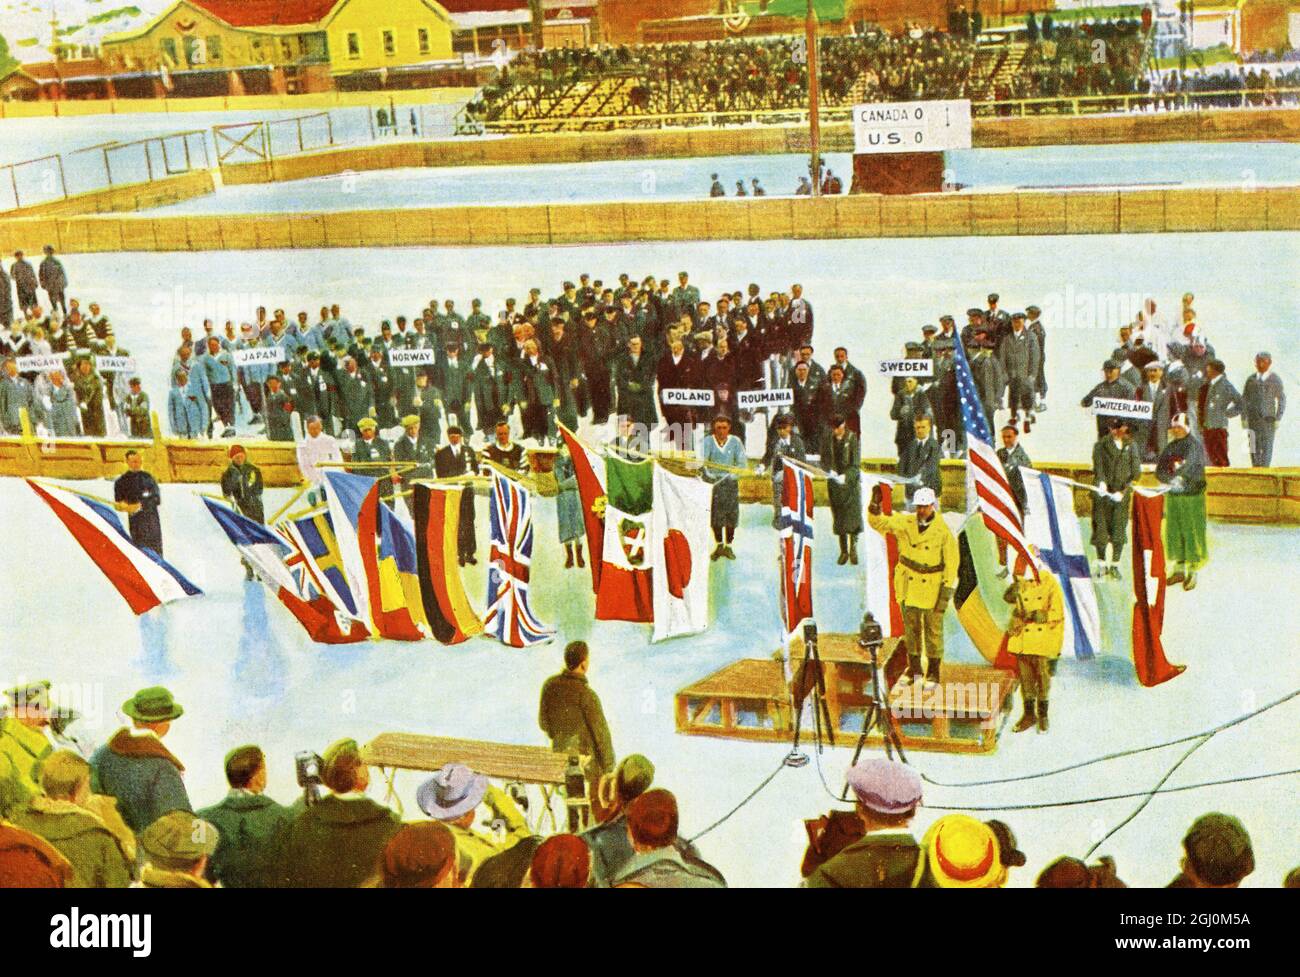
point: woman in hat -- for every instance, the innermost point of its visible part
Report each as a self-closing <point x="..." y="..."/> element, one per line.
<point x="568" y="508"/>
<point x="842" y="458"/>
<point x="1181" y="466"/>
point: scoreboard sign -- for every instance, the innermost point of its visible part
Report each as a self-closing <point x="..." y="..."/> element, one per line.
<point x="912" y="127"/>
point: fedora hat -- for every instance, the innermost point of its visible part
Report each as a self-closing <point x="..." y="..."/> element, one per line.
<point x="451" y="792"/>
<point x="153" y="705"/>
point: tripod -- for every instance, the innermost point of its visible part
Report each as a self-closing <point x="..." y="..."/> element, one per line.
<point x="877" y="715"/>
<point x="810" y="680"/>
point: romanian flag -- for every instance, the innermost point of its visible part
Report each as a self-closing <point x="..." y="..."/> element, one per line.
<point x="988" y="638"/>
<point x="437" y="524"/>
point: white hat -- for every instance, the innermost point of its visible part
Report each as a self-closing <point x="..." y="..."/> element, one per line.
<point x="1180" y="421"/>
<point x="924" y="496"/>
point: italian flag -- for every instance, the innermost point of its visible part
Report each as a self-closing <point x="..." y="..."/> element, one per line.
<point x="625" y="592"/>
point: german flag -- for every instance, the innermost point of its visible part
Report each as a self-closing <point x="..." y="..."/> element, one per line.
<point x="437" y="522"/>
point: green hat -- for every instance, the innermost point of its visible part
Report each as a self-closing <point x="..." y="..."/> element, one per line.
<point x="153" y="705"/>
<point x="32" y="695"/>
<point x="634" y="776"/>
<point x="178" y="838"/>
<point x="1219" y="849"/>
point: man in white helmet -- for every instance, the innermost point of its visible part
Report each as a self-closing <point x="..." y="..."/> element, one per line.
<point x="924" y="578"/>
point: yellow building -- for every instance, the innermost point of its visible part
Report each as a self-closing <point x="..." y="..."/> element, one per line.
<point x="281" y="46"/>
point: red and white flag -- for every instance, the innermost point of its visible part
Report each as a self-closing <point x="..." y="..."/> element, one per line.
<point x="880" y="556"/>
<point x="679" y="530"/>
<point x="796" y="545"/>
<point x="1149" y="592"/>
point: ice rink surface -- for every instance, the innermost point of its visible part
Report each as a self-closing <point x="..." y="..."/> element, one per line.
<point x="1223" y="164"/>
<point x="245" y="672"/>
<point x="868" y="295"/>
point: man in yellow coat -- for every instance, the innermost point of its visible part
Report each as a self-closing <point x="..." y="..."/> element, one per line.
<point x="924" y="578"/>
<point x="23" y="745"/>
<point x="1034" y="637"/>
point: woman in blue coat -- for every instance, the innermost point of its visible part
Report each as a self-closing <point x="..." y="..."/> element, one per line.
<point x="568" y="508"/>
<point x="186" y="412"/>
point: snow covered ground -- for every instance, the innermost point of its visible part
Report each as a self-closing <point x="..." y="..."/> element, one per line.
<point x="868" y="295"/>
<point x="245" y="673"/>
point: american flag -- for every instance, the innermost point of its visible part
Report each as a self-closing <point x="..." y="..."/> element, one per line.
<point x="987" y="489"/>
<point x="509" y="618"/>
<point x="796" y="545"/>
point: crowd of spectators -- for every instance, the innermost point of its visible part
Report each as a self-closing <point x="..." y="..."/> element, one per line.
<point x="123" y="817"/>
<point x="1103" y="57"/>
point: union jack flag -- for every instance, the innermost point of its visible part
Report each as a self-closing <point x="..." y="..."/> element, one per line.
<point x="987" y="488"/>
<point x="796" y="545"/>
<point x="509" y="618"/>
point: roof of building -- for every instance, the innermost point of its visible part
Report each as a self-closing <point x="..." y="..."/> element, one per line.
<point x="47" y="71"/>
<point x="266" y="13"/>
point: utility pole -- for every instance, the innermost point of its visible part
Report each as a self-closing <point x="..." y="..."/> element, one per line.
<point x="814" y="99"/>
<point x="538" y="19"/>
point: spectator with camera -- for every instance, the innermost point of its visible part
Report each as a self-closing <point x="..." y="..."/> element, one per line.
<point x="336" y="841"/>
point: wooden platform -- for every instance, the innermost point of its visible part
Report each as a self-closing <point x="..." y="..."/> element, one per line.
<point x="749" y="700"/>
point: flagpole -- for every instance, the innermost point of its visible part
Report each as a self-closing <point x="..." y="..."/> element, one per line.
<point x="84" y="495"/>
<point x="294" y="498"/>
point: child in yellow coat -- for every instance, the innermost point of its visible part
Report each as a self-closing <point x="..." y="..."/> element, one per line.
<point x="1034" y="637"/>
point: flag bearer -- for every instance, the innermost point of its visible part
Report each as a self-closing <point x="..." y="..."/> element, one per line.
<point x="924" y="578"/>
<point x="1116" y="465"/>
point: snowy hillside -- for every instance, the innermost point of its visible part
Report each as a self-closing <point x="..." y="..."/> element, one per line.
<point x="25" y="24"/>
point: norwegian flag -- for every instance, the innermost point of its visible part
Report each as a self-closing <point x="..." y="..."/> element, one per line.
<point x="796" y="545"/>
<point x="509" y="618"/>
<point x="987" y="489"/>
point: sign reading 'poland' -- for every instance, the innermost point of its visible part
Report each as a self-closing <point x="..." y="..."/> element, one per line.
<point x="912" y="127"/>
<point x="686" y="397"/>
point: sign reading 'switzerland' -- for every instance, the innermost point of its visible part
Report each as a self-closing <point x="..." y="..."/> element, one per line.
<point x="1118" y="407"/>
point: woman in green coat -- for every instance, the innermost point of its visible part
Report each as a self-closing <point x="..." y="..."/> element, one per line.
<point x="90" y="398"/>
<point x="841" y="457"/>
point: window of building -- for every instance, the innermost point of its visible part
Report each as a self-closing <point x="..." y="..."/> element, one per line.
<point x="286" y="49"/>
<point x="258" y="53"/>
<point x="354" y="45"/>
<point x="423" y="35"/>
<point x="302" y="44"/>
<point x="169" y="49"/>
<point x="390" y="44"/>
<point x="214" y="47"/>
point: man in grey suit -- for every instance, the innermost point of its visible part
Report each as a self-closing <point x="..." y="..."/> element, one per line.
<point x="1263" y="404"/>
<point x="1020" y="357"/>
<point x="1217" y="401"/>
